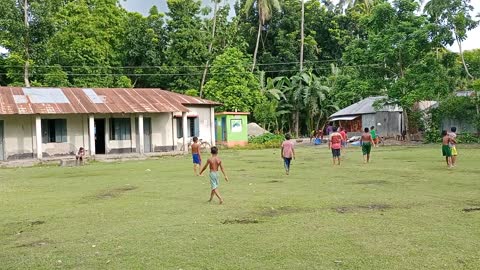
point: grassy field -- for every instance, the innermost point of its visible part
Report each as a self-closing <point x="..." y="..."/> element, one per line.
<point x="402" y="211"/>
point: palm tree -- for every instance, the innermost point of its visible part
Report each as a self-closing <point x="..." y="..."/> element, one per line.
<point x="302" y="35"/>
<point x="264" y="9"/>
<point x="269" y="87"/>
<point x="210" y="46"/>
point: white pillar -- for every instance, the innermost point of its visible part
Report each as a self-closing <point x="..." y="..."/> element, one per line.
<point x="38" y="135"/>
<point x="212" y="125"/>
<point x="91" y="130"/>
<point x="185" y="132"/>
<point x="141" y="138"/>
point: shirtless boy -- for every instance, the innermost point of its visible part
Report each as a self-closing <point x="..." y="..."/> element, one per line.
<point x="366" y="142"/>
<point x="214" y="163"/>
<point x="197" y="159"/>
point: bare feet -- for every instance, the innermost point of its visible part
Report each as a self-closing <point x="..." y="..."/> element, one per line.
<point x="221" y="201"/>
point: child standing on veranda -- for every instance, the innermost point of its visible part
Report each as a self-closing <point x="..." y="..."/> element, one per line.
<point x="214" y="163"/>
<point x="335" y="144"/>
<point x="446" y="150"/>
<point x="197" y="159"/>
<point x="287" y="153"/>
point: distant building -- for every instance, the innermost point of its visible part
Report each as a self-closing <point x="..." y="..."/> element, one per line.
<point x="46" y="122"/>
<point x="388" y="120"/>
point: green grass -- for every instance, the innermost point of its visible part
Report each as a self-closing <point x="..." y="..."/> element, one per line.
<point x="402" y="211"/>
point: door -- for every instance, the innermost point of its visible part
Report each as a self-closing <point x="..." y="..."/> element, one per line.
<point x="224" y="129"/>
<point x="147" y="134"/>
<point x="2" y="155"/>
<point x="99" y="136"/>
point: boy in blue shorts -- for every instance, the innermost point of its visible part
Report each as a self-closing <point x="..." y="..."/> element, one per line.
<point x="197" y="159"/>
<point x="214" y="163"/>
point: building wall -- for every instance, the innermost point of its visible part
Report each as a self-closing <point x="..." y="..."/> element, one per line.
<point x="462" y="126"/>
<point x="390" y="123"/>
<point x="20" y="136"/>
<point x="18" y="139"/>
<point x="233" y="138"/>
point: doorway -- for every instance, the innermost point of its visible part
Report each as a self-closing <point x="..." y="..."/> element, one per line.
<point x="2" y="155"/>
<point x="99" y="131"/>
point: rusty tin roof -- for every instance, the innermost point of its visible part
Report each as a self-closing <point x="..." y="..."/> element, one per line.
<point x="23" y="100"/>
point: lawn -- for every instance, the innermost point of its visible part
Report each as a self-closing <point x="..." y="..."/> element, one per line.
<point x="402" y="211"/>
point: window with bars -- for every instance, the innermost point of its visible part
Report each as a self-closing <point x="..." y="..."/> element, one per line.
<point x="54" y="130"/>
<point x="120" y="129"/>
<point x="193" y="127"/>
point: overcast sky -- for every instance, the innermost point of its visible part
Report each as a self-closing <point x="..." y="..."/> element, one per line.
<point x="143" y="6"/>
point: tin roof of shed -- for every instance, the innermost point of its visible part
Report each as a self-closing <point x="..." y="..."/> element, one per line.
<point x="18" y="100"/>
<point x="366" y="106"/>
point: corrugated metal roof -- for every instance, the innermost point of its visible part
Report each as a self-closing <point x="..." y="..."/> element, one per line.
<point x="365" y="106"/>
<point x="17" y="100"/>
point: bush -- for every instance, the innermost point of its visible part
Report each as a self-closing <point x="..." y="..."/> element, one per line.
<point x="432" y="136"/>
<point x="468" y="138"/>
<point x="267" y="137"/>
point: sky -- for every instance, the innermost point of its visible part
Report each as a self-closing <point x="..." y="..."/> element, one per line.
<point x="142" y="6"/>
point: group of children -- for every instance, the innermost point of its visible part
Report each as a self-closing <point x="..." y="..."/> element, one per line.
<point x="449" y="149"/>
<point x="337" y="141"/>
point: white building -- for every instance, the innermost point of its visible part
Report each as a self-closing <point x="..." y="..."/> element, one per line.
<point x="47" y="122"/>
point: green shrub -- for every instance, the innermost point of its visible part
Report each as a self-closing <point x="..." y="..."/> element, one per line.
<point x="468" y="138"/>
<point x="432" y="136"/>
<point x="267" y="137"/>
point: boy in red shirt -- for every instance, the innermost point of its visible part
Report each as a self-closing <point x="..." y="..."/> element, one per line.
<point x="335" y="144"/>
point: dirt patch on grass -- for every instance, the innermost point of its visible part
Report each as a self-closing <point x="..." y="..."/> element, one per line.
<point x="372" y="182"/>
<point x="115" y="192"/>
<point x="359" y="208"/>
<point x="39" y="243"/>
<point x="283" y="210"/>
<point x="274" y="181"/>
<point x="471" y="209"/>
<point x="240" y="221"/>
<point x="37" y="222"/>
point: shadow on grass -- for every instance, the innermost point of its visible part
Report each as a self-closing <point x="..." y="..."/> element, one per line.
<point x="359" y="208"/>
<point x="114" y="193"/>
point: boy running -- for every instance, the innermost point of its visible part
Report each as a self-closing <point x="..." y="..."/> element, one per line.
<point x="366" y="142"/>
<point x="446" y="151"/>
<point x="197" y="159"/>
<point x="335" y="144"/>
<point x="288" y="152"/>
<point x="214" y="162"/>
<point x="453" y="144"/>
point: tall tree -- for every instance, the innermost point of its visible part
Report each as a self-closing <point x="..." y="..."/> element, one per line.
<point x="455" y="16"/>
<point x="210" y="46"/>
<point x="232" y="84"/>
<point x="265" y="9"/>
<point x="187" y="48"/>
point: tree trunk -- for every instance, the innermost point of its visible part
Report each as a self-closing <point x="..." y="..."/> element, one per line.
<point x="302" y="35"/>
<point x="26" y="44"/>
<point x="210" y="47"/>
<point x="256" y="46"/>
<point x="460" y="50"/>
<point x="297" y="123"/>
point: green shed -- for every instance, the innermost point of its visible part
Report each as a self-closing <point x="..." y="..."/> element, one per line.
<point x="231" y="128"/>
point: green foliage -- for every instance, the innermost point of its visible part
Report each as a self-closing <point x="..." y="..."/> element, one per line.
<point x="468" y="138"/>
<point x="267" y="137"/>
<point x="192" y="92"/>
<point x="232" y="84"/>
<point x="265" y="114"/>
